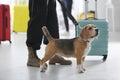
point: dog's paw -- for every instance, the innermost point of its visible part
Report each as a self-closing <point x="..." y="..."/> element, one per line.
<point x="84" y="69"/>
<point x="80" y="69"/>
<point x="43" y="67"/>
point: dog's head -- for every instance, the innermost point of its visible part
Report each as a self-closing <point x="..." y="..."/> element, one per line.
<point x="88" y="32"/>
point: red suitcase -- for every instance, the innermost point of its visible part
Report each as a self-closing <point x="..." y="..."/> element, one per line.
<point x="4" y="23"/>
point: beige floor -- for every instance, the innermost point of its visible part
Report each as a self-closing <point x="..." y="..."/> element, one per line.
<point x="13" y="58"/>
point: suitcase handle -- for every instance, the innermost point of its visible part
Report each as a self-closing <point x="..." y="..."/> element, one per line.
<point x="72" y="19"/>
<point x="6" y="21"/>
<point x="6" y="18"/>
<point x="86" y="9"/>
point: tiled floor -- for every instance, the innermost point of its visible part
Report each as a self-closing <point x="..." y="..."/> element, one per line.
<point x="13" y="58"/>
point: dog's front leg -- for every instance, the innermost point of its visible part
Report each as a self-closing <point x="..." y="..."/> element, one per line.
<point x="80" y="64"/>
<point x="83" y="59"/>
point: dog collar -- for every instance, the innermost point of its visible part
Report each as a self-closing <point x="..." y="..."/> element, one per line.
<point x="85" y="40"/>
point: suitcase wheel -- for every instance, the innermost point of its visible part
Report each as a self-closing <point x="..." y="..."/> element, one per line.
<point x="10" y="42"/>
<point x="104" y="57"/>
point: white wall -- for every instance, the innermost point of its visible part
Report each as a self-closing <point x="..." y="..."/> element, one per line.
<point x="116" y="4"/>
<point x="105" y="11"/>
<point x="5" y="1"/>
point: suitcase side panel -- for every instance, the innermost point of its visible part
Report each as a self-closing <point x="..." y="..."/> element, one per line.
<point x="7" y="22"/>
<point x="4" y="22"/>
<point x="21" y="17"/>
<point x="1" y="22"/>
<point x="100" y="45"/>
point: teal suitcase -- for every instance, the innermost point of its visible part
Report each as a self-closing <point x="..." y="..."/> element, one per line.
<point x="99" y="46"/>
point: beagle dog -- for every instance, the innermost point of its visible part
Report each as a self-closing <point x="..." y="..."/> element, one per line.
<point x="77" y="47"/>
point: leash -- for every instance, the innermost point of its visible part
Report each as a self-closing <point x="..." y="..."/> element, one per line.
<point x="77" y="26"/>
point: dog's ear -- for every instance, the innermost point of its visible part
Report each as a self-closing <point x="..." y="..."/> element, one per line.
<point x="83" y="33"/>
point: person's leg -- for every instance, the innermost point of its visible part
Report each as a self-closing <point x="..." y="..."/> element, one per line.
<point x="65" y="16"/>
<point x="69" y="5"/>
<point x="37" y="10"/>
<point x="52" y="25"/>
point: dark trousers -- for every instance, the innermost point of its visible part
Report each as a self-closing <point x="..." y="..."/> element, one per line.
<point x="41" y="13"/>
<point x="68" y="4"/>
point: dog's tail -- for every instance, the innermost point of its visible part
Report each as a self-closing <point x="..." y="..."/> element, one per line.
<point x="46" y="33"/>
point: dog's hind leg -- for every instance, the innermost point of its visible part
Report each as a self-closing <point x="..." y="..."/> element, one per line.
<point x="48" y="55"/>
